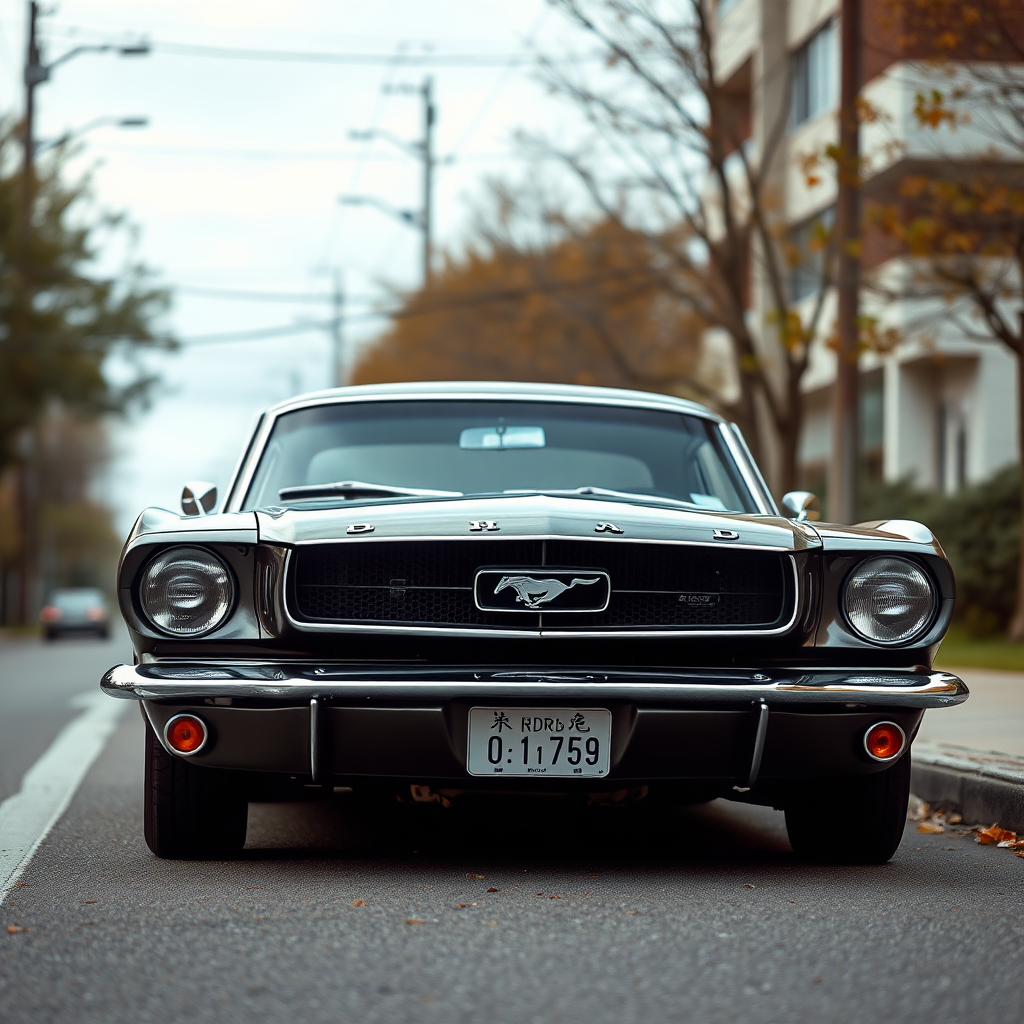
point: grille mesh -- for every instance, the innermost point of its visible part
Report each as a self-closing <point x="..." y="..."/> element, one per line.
<point x="431" y="583"/>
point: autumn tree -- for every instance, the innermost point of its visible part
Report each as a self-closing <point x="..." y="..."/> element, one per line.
<point x="959" y="216"/>
<point x="62" y="321"/>
<point x="580" y="308"/>
<point x="667" y="159"/>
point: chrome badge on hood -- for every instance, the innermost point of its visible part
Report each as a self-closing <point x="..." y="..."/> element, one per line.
<point x="548" y="590"/>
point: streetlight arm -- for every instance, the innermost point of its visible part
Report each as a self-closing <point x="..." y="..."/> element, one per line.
<point x="121" y="122"/>
<point x="414" y="149"/>
<point x="406" y="216"/>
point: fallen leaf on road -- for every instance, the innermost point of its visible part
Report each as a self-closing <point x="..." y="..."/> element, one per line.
<point x="994" y="834"/>
<point x="359" y="903"/>
<point x="491" y="924"/>
<point x="750" y="885"/>
<point x="85" y="903"/>
<point x="555" y="897"/>
<point x="953" y="818"/>
<point x="476" y="878"/>
<point x="13" y="929"/>
<point x="634" y="911"/>
<point x="414" y="920"/>
<point x="933" y="827"/>
<point x="21" y="885"/>
<point x="492" y="889"/>
<point x="918" y="809"/>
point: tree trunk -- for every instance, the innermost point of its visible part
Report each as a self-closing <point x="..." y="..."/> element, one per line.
<point x="1016" y="630"/>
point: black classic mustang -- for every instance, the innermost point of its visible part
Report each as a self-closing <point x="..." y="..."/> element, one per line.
<point x="433" y="589"/>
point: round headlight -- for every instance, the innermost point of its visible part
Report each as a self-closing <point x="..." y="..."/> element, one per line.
<point x="186" y="591"/>
<point x="888" y="600"/>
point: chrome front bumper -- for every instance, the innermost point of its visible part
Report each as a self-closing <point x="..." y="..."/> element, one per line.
<point x="294" y="683"/>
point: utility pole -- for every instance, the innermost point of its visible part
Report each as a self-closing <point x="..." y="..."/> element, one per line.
<point x="34" y="74"/>
<point x="337" y="332"/>
<point x="423" y="219"/>
<point x="844" y="466"/>
<point x="427" y="92"/>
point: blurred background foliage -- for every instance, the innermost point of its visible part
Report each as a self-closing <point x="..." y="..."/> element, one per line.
<point x="583" y="306"/>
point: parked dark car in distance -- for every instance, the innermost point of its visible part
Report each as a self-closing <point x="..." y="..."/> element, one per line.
<point x="75" y="610"/>
<point x="434" y="589"/>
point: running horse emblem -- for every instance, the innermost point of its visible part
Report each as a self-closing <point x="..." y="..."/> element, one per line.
<point x="533" y="593"/>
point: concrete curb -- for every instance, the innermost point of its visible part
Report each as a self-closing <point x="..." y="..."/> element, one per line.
<point x="984" y="786"/>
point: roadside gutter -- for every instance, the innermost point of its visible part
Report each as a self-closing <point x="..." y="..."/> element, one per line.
<point x="983" y="786"/>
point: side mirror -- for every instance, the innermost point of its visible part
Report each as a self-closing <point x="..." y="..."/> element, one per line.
<point x="198" y="498"/>
<point x="801" y="506"/>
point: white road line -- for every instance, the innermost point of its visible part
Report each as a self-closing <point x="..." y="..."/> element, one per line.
<point x="48" y="786"/>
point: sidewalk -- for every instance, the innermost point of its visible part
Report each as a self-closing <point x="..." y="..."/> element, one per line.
<point x="992" y="718"/>
<point x="971" y="758"/>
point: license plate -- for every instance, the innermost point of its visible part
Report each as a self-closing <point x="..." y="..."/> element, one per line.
<point x="552" y="742"/>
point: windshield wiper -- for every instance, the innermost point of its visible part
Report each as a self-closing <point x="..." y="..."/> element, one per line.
<point x="604" y="492"/>
<point x="349" y="489"/>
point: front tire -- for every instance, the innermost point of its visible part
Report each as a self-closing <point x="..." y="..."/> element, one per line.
<point x="191" y="812"/>
<point x="856" y="820"/>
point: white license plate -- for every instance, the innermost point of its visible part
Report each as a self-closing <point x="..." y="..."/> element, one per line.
<point x="552" y="742"/>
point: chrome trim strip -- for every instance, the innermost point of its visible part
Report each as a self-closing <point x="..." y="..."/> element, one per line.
<point x="762" y="732"/>
<point x="314" y="738"/>
<point x="583" y="632"/>
<point x="737" y="445"/>
<point x="586" y="537"/>
<point x="240" y="484"/>
<point x="931" y="690"/>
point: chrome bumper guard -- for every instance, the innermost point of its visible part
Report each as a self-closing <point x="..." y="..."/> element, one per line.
<point x="302" y="683"/>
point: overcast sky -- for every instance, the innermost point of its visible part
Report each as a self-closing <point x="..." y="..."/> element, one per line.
<point x="234" y="184"/>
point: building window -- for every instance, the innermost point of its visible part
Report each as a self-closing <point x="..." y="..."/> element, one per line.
<point x="815" y="75"/>
<point x="808" y="247"/>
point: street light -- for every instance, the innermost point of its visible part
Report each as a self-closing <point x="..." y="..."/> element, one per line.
<point x="75" y="133"/>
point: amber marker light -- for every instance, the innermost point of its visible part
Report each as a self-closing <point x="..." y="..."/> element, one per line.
<point x="185" y="734"/>
<point x="884" y="741"/>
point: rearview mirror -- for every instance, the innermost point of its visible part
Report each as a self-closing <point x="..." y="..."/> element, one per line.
<point x="801" y="506"/>
<point x="198" y="498"/>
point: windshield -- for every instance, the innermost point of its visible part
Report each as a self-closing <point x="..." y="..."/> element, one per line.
<point x="374" y="451"/>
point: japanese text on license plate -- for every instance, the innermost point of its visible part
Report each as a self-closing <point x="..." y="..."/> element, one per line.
<point x="571" y="742"/>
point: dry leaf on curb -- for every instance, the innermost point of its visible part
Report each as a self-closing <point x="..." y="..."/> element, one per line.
<point x="492" y="889"/>
<point x="359" y="903"/>
<point x="953" y="818"/>
<point x="994" y="834"/>
<point x="476" y="878"/>
<point x="934" y="827"/>
<point x="414" y="920"/>
<point x="13" y="929"/>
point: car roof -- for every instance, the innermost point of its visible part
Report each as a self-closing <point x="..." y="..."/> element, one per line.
<point x="496" y="390"/>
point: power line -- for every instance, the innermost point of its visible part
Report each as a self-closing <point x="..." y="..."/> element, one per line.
<point x="418" y="60"/>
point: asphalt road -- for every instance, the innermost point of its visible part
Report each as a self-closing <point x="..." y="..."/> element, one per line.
<point x="346" y="911"/>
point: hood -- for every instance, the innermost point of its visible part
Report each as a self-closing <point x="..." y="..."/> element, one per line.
<point x="534" y="515"/>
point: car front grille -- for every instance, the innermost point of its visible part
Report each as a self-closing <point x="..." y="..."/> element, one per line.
<point x="430" y="583"/>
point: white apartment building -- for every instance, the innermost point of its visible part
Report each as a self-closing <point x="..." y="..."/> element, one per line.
<point x="941" y="408"/>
